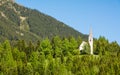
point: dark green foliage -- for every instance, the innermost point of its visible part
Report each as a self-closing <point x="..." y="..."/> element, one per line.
<point x="18" y="22"/>
<point x="59" y="57"/>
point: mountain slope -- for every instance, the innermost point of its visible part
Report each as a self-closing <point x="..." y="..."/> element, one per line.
<point x="19" y="22"/>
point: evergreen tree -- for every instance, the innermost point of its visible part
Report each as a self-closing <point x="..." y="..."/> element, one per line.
<point x="73" y="44"/>
<point x="56" y="45"/>
<point x="8" y="65"/>
<point x="65" y="46"/>
<point x="102" y="45"/>
<point x="28" y="69"/>
<point x="46" y="47"/>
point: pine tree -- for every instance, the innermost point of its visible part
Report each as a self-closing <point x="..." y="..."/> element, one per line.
<point x="8" y="64"/>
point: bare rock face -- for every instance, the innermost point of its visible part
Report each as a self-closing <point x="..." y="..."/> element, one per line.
<point x="2" y="1"/>
<point x="12" y="0"/>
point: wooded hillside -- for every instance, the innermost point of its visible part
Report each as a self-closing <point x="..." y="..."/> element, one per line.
<point x="18" y="22"/>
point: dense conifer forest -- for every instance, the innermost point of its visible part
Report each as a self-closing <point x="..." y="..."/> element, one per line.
<point x="19" y="22"/>
<point x="59" y="56"/>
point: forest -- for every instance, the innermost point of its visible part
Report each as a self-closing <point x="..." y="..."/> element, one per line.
<point x="59" y="56"/>
<point x="36" y="25"/>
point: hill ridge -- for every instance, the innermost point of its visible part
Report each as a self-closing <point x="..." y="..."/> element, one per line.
<point x="19" y="22"/>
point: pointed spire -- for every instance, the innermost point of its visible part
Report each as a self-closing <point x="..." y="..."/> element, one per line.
<point x="90" y="40"/>
<point x="90" y="32"/>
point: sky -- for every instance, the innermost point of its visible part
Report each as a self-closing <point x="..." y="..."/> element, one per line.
<point x="103" y="16"/>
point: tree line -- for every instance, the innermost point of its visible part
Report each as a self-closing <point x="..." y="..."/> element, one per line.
<point x="59" y="56"/>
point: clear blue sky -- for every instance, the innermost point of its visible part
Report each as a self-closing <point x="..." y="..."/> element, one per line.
<point x="102" y="15"/>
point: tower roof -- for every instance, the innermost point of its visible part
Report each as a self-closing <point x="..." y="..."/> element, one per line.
<point x="90" y="31"/>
